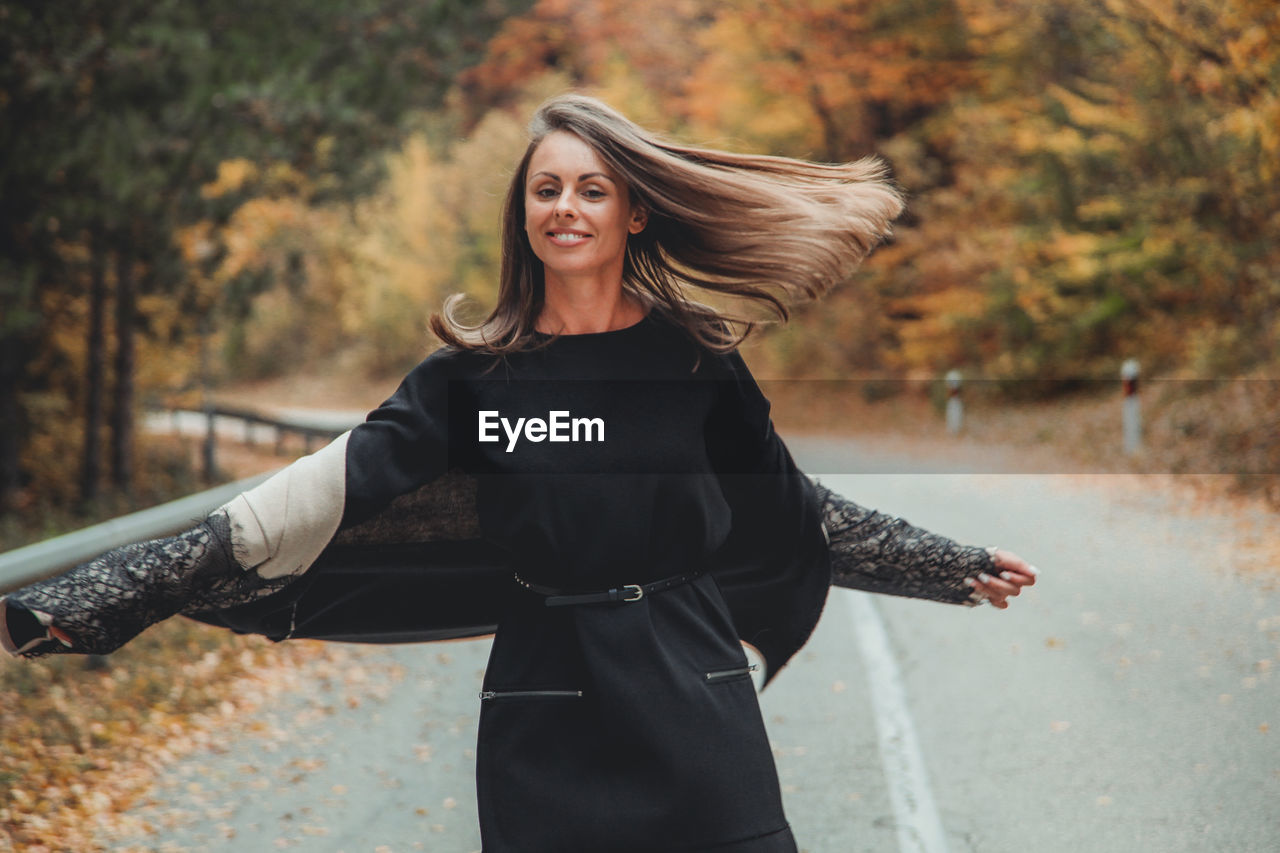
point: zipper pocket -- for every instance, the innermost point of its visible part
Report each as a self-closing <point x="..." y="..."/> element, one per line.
<point x="727" y="674"/>
<point x="487" y="695"/>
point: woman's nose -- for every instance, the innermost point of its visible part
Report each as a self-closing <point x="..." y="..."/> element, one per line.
<point x="565" y="206"/>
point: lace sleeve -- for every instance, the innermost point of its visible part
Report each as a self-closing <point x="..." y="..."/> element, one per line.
<point x="104" y="603"/>
<point x="875" y="552"/>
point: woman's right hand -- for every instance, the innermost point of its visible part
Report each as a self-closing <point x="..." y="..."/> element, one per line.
<point x="1012" y="574"/>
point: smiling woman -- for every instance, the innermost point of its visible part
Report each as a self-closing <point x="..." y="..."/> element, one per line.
<point x="617" y="712"/>
<point x="578" y="216"/>
<point x="596" y="200"/>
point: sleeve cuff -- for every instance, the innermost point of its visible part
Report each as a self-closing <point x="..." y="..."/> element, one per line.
<point x="13" y="646"/>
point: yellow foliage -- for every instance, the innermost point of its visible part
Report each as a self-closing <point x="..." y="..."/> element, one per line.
<point x="931" y="341"/>
<point x="372" y="272"/>
<point x="255" y="228"/>
<point x="195" y="242"/>
<point x="232" y="175"/>
<point x="1058" y="175"/>
<point x="1112" y="115"/>
<point x="1066" y="245"/>
<point x="626" y="91"/>
<point x="1103" y="207"/>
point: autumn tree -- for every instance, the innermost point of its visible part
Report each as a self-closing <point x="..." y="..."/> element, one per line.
<point x="115" y="114"/>
<point x="1124" y="173"/>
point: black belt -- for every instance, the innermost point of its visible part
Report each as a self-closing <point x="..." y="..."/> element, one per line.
<point x="621" y="594"/>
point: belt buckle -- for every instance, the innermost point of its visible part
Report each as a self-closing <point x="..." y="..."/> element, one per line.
<point x="639" y="591"/>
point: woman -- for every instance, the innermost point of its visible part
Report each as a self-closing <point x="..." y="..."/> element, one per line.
<point x="645" y="516"/>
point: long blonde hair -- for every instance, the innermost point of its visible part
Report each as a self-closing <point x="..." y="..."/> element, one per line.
<point x="769" y="231"/>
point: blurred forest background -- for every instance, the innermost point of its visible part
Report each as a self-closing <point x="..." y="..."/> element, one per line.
<point x="237" y="190"/>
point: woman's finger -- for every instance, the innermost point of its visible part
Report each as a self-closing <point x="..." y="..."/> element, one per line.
<point x="1017" y="578"/>
<point x="986" y="592"/>
<point x="1013" y="568"/>
<point x="998" y="586"/>
<point x="998" y="601"/>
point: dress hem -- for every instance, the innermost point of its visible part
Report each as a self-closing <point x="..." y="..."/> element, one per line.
<point x="777" y="841"/>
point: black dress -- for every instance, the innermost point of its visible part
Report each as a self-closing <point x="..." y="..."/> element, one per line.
<point x="623" y="726"/>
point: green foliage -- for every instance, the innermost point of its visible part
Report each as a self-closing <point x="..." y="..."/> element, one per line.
<point x="115" y="116"/>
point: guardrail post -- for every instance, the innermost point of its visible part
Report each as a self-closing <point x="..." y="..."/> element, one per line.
<point x="955" y="408"/>
<point x="210" y="446"/>
<point x="253" y="426"/>
<point x="1132" y="416"/>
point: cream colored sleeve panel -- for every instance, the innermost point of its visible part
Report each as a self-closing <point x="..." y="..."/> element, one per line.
<point x="280" y="527"/>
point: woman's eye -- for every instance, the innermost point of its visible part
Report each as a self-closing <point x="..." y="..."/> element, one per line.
<point x="546" y="193"/>
<point x="593" y="193"/>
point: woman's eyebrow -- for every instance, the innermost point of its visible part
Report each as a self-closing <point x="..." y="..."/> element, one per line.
<point x="581" y="177"/>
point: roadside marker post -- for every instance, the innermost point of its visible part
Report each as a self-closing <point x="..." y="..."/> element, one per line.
<point x="955" y="408"/>
<point x="1132" y="415"/>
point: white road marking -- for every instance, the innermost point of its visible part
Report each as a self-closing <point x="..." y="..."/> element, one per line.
<point x="919" y="826"/>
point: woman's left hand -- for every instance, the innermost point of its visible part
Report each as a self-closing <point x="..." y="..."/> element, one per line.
<point x="1012" y="574"/>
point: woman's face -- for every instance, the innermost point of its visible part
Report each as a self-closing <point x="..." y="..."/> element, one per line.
<point x="578" y="212"/>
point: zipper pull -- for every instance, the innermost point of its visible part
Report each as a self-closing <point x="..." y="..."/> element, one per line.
<point x="528" y="694"/>
<point x="731" y="673"/>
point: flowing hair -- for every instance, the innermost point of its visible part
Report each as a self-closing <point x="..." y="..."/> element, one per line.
<point x="765" y="231"/>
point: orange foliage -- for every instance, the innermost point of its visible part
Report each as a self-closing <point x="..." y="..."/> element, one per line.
<point x="1066" y="164"/>
<point x="835" y="75"/>
<point x="654" y="39"/>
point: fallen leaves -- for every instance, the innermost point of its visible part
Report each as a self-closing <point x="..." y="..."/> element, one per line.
<point x="79" y="747"/>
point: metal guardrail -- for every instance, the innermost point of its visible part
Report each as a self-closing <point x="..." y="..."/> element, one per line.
<point x="306" y="430"/>
<point x="209" y="421"/>
<point x="26" y="565"/>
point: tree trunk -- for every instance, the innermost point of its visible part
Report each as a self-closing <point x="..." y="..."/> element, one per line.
<point x="122" y="414"/>
<point x="94" y="372"/>
<point x="13" y="358"/>
<point x="19" y="329"/>
<point x="832" y="139"/>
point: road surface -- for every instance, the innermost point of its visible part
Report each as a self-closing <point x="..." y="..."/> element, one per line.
<point x="1128" y="702"/>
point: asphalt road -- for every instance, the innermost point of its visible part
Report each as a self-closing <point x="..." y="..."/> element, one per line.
<point x="1128" y="702"/>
